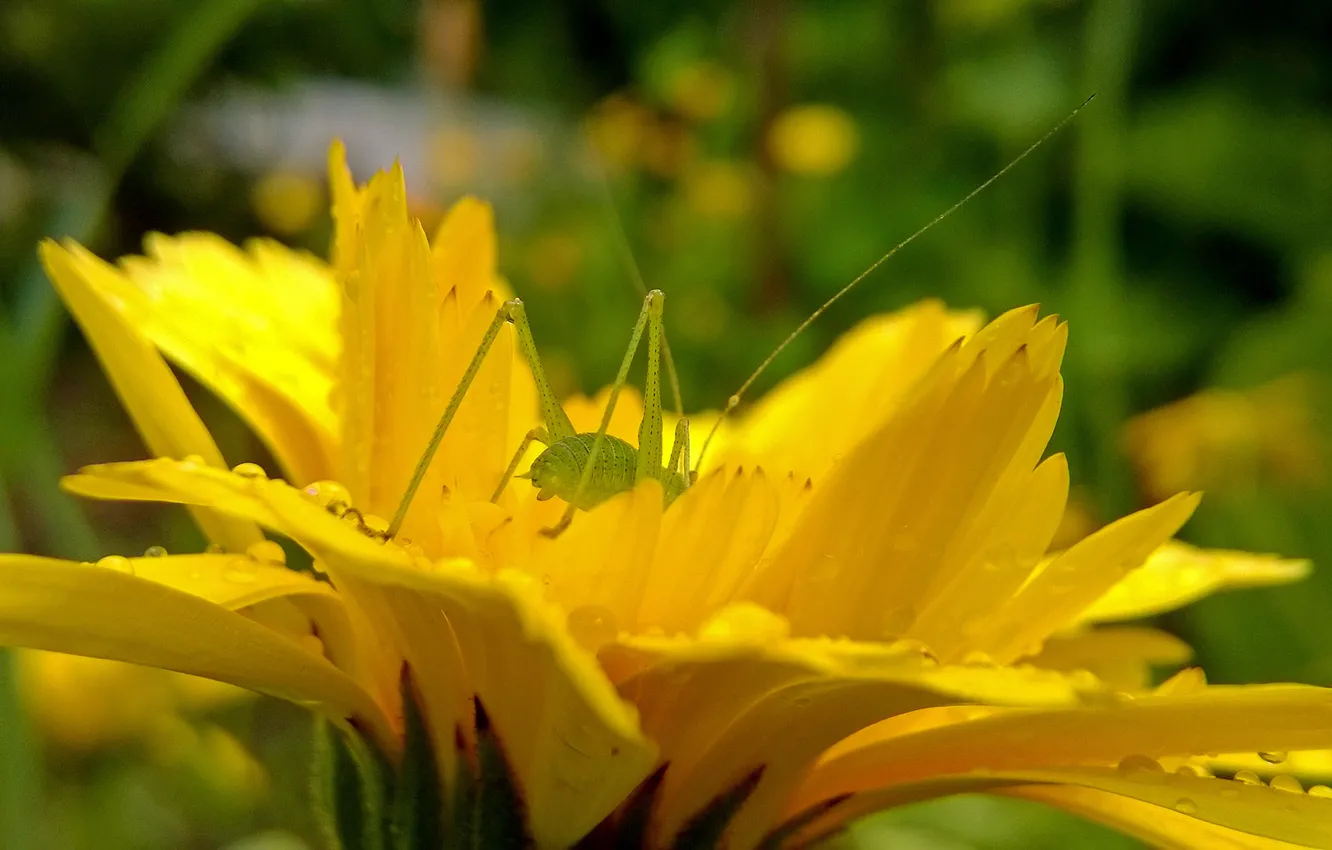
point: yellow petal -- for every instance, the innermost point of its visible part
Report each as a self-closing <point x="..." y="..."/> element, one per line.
<point x="1168" y="830"/>
<point x="574" y="744"/>
<point x="1121" y="657"/>
<point x="1243" y="814"/>
<point x="412" y="317"/>
<point x="1055" y="595"/>
<point x="104" y="613"/>
<point x="259" y="327"/>
<point x="600" y="565"/>
<point x="721" y="707"/>
<point x="463" y="252"/>
<point x="711" y="539"/>
<point x="1176" y="574"/>
<point x="142" y="380"/>
<point x="239" y="582"/>
<point x="817" y="414"/>
<point x="1218" y="719"/>
<point x="887" y="521"/>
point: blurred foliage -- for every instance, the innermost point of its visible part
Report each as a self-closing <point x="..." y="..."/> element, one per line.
<point x="756" y="155"/>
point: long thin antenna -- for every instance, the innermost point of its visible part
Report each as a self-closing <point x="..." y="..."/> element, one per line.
<point x="626" y="252"/>
<point x="734" y="401"/>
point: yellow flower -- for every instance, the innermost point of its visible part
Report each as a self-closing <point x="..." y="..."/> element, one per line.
<point x="286" y="201"/>
<point x="846" y="611"/>
<point x="1227" y="439"/>
<point x="814" y="139"/>
<point x="135" y="703"/>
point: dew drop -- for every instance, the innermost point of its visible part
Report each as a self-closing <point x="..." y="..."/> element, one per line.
<point x="977" y="659"/>
<point x="155" y="552"/>
<point x="1284" y="782"/>
<point x="327" y="493"/>
<point x="1138" y="764"/>
<point x="214" y="549"/>
<point x="1272" y="756"/>
<point x="249" y="470"/>
<point x="241" y="571"/>
<point x="119" y="563"/>
<point x="1194" y="770"/>
<point x="189" y="463"/>
<point x="1320" y="791"/>
<point x="1247" y="777"/>
<point x="592" y="626"/>
<point x="1185" y="806"/>
<point x="268" y="552"/>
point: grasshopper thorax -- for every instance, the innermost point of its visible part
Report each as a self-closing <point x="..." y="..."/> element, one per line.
<point x="558" y="469"/>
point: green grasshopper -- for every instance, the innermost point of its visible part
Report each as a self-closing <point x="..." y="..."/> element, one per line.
<point x="587" y="469"/>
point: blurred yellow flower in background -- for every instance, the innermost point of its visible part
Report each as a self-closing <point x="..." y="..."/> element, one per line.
<point x="702" y="90"/>
<point x="720" y="189"/>
<point x="84" y="706"/>
<point x="856" y="606"/>
<point x="287" y="202"/>
<point x="1229" y="440"/>
<point x="133" y="703"/>
<point x="813" y="139"/>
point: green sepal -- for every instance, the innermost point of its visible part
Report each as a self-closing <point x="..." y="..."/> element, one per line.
<point x="348" y="786"/>
<point x="417" y="810"/>
<point x="487" y="809"/>
<point x="704" y="830"/>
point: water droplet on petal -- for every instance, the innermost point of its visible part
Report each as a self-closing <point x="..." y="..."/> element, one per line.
<point x="190" y="463"/>
<point x="214" y="549"/>
<point x="1185" y="806"/>
<point x="1283" y="782"/>
<point x="1139" y="766"/>
<point x="1319" y="791"/>
<point x="1195" y="770"/>
<point x="1247" y="777"/>
<point x="977" y="659"/>
<point x="249" y="470"/>
<point x="268" y="552"/>
<point x="327" y="493"/>
<point x="241" y="571"/>
<point x="155" y="552"/>
<point x="592" y="626"/>
<point x="119" y="563"/>
<point x="1272" y="756"/>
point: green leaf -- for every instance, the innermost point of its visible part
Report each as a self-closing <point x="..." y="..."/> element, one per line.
<point x="418" y="799"/>
<point x="704" y="831"/>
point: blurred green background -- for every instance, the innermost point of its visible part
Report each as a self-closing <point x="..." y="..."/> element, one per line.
<point x="756" y="155"/>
